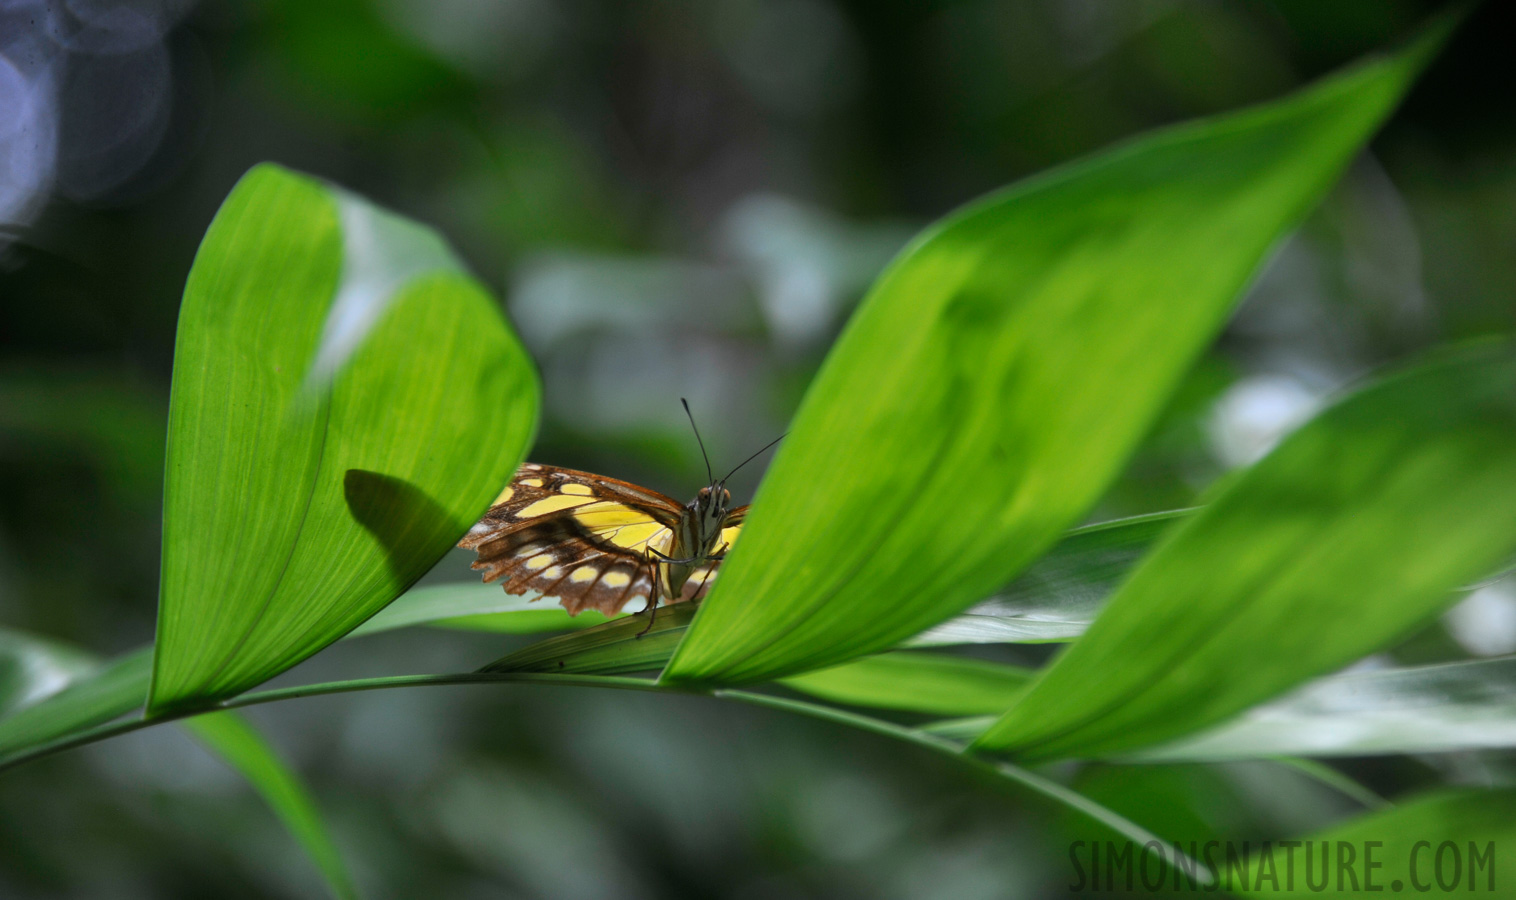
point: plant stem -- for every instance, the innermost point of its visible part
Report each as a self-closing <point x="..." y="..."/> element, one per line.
<point x="126" y="726"/>
<point x="1027" y="779"/>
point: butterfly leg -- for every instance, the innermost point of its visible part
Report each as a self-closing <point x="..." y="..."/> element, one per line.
<point x="652" y="598"/>
<point x="718" y="556"/>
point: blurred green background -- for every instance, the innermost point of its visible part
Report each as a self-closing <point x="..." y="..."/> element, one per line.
<point x="672" y="199"/>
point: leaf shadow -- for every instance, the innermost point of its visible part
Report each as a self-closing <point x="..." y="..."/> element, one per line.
<point x="402" y="517"/>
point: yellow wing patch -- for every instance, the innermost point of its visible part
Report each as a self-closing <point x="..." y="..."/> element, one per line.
<point x="551" y="505"/>
<point x="729" y="535"/>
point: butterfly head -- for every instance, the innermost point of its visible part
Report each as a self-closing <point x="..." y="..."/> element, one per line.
<point x="710" y="507"/>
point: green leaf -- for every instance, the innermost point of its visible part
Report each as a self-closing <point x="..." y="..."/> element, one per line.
<point x="475" y="607"/>
<point x="33" y="668"/>
<point x="929" y="683"/>
<point x="619" y="645"/>
<point x="234" y="739"/>
<point x="1422" y="709"/>
<point x="1480" y="825"/>
<point x="1356" y="529"/>
<point x="1058" y="597"/>
<point x="116" y="689"/>
<point x="999" y="374"/>
<point x="346" y="401"/>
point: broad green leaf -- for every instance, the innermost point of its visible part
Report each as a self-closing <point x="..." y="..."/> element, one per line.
<point x="1474" y="829"/>
<point x="1001" y="371"/>
<point x="1422" y="709"/>
<point x="619" y="645"/>
<point x="929" y="683"/>
<point x="346" y="401"/>
<point x="1058" y="597"/>
<point x="234" y="739"/>
<point x="115" y="690"/>
<point x="33" y="668"/>
<point x="1355" y="530"/>
<point x="476" y="607"/>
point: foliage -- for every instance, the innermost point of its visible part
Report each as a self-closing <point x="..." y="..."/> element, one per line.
<point x="347" y="399"/>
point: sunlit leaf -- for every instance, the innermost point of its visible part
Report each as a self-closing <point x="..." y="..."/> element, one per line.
<point x="233" y="739"/>
<point x="1001" y="371"/>
<point x="1473" y="830"/>
<point x="1355" y="530"/>
<point x="476" y="607"/>
<point x="1422" y="709"/>
<point x="929" y="683"/>
<point x="346" y="401"/>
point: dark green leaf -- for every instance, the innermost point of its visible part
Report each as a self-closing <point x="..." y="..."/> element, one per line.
<point x="616" y="646"/>
<point x="928" y="683"/>
<point x="1000" y="373"/>
<point x="475" y="607"/>
<point x="1479" y="825"/>
<point x="346" y="401"/>
<point x="1352" y="532"/>
<point x="231" y="737"/>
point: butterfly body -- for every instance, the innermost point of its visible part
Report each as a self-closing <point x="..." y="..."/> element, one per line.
<point x="593" y="542"/>
<point x="697" y="538"/>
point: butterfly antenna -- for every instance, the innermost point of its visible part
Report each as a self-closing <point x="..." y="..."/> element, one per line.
<point x="709" y="478"/>
<point x="755" y="455"/>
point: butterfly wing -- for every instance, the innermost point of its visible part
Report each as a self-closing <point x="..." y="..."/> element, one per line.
<point x="579" y="538"/>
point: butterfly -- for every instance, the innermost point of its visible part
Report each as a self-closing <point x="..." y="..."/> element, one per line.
<point x="594" y="542"/>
